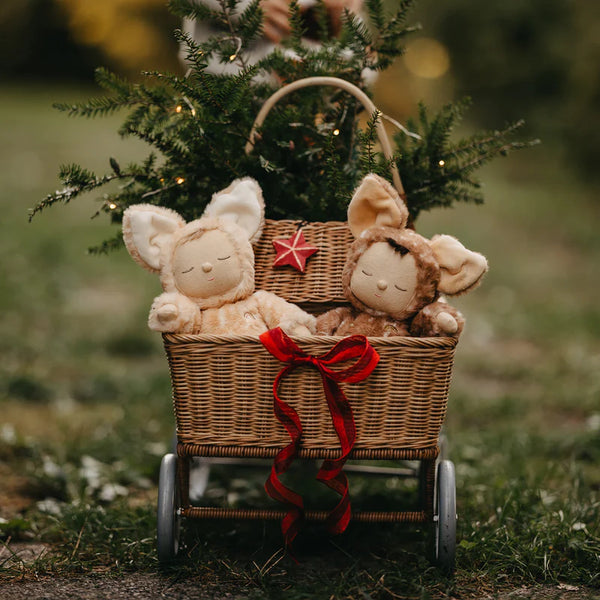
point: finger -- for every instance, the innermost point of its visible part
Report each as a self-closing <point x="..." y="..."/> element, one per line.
<point x="280" y="21"/>
<point x="276" y="30"/>
<point x="275" y="5"/>
<point x="272" y="33"/>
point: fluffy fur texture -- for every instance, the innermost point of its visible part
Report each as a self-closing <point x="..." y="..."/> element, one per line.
<point x="412" y="304"/>
<point x="253" y="315"/>
<point x="347" y="320"/>
<point x="206" y="267"/>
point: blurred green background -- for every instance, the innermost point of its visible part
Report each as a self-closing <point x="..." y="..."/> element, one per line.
<point x="81" y="376"/>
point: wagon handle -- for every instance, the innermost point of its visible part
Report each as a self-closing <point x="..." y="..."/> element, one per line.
<point x="344" y="85"/>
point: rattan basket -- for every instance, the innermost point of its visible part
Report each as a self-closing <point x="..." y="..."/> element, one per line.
<point x="222" y="385"/>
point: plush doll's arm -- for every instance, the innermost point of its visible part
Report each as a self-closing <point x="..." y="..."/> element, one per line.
<point x="438" y="319"/>
<point x="328" y="323"/>
<point x="277" y="312"/>
<point x="174" y="313"/>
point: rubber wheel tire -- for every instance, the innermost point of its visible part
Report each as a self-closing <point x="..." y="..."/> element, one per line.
<point x="445" y="523"/>
<point x="168" y="521"/>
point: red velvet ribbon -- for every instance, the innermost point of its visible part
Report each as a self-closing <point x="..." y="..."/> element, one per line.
<point x="350" y="348"/>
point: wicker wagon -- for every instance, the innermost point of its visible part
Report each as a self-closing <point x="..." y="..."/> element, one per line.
<point x="223" y="394"/>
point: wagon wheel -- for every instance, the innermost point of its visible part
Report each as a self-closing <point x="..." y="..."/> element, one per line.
<point x="168" y="521"/>
<point x="445" y="517"/>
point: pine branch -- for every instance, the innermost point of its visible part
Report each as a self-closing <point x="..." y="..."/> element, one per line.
<point x="195" y="54"/>
<point x="298" y="27"/>
<point x="436" y="172"/>
<point x="355" y="32"/>
<point x="376" y="14"/>
<point x="310" y="155"/>
<point x="77" y="181"/>
<point x="368" y="140"/>
<point x="250" y="23"/>
<point x="190" y="9"/>
<point x="390" y="32"/>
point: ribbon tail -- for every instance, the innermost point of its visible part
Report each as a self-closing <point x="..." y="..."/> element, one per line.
<point x="288" y="417"/>
<point x="291" y="522"/>
<point x="339" y="518"/>
<point x="330" y="472"/>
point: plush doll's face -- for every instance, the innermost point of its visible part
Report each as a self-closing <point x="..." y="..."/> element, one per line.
<point x="206" y="266"/>
<point x="385" y="278"/>
<point x="209" y="260"/>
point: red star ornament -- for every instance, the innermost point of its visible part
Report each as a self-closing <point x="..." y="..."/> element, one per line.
<point x="293" y="251"/>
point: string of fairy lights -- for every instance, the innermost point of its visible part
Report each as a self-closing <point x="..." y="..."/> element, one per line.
<point x="185" y="102"/>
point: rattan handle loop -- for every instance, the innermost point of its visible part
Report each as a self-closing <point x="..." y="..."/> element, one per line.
<point x="344" y="85"/>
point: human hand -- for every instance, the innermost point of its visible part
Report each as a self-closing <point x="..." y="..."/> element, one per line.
<point x="276" y="25"/>
<point x="335" y="10"/>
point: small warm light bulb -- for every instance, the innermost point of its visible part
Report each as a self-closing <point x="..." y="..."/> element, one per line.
<point x="232" y="57"/>
<point x="193" y="111"/>
<point x="112" y="206"/>
<point x="178" y="108"/>
<point x="336" y="132"/>
<point x="442" y="163"/>
<point x="179" y="180"/>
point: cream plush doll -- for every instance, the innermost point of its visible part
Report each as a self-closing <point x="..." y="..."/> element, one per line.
<point x="206" y="267"/>
<point x="393" y="276"/>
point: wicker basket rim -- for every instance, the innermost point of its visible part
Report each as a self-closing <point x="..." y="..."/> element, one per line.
<point x="328" y="224"/>
<point x="409" y="342"/>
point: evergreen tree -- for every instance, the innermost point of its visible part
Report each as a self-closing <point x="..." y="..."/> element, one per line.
<point x="311" y="152"/>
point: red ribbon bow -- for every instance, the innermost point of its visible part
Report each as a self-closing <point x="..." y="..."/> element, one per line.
<point x="330" y="473"/>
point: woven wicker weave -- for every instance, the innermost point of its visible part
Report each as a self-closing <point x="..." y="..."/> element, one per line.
<point x="321" y="281"/>
<point x="223" y="393"/>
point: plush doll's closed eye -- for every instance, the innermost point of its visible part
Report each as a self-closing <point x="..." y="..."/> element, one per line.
<point x="393" y="277"/>
<point x="206" y="267"/>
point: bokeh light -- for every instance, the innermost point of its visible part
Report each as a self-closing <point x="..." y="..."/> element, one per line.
<point x="427" y="58"/>
<point x="129" y="32"/>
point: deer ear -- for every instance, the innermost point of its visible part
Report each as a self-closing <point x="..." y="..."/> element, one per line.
<point x="146" y="231"/>
<point x="460" y="269"/>
<point x="375" y="203"/>
<point x="242" y="202"/>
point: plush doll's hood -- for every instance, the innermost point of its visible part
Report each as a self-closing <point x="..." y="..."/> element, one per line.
<point x="238" y="238"/>
<point x="427" y="268"/>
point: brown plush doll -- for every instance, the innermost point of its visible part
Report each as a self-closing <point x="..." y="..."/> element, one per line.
<point x="393" y="277"/>
<point x="206" y="267"/>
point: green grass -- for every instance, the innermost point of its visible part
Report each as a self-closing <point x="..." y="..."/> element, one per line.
<point x="86" y="414"/>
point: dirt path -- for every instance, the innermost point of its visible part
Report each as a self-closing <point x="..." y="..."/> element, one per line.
<point x="129" y="587"/>
<point x="156" y="587"/>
